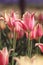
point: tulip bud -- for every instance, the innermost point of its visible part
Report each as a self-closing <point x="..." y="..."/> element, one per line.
<point x="39" y="31"/>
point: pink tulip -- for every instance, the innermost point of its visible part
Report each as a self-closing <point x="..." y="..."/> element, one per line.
<point x="18" y="29"/>
<point x="4" y="57"/>
<point x="39" y="31"/>
<point x="29" y="21"/>
<point x="40" y="45"/>
<point x="32" y="34"/>
<point x="36" y="32"/>
<point x="15" y="25"/>
<point x="9" y="19"/>
<point x="10" y="25"/>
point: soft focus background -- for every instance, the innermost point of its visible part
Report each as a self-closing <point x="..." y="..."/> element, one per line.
<point x="21" y="5"/>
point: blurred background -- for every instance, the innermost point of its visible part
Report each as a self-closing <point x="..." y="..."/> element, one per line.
<point x="20" y="6"/>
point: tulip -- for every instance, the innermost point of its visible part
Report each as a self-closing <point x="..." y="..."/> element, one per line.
<point x="14" y="24"/>
<point x="18" y="29"/>
<point x="32" y="34"/>
<point x="39" y="31"/>
<point x="4" y="57"/>
<point x="9" y="21"/>
<point x="29" y="21"/>
<point x="40" y="45"/>
<point x="36" y="32"/>
<point x="39" y="34"/>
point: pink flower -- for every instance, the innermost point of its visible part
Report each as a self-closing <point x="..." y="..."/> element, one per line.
<point x="32" y="34"/>
<point x="29" y="21"/>
<point x="36" y="32"/>
<point x="10" y="19"/>
<point x="39" y="31"/>
<point x="18" y="29"/>
<point x="4" y="57"/>
<point x="40" y="45"/>
<point x="15" y="25"/>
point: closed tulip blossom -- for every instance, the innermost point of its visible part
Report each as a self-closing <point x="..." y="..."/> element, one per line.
<point x="32" y="34"/>
<point x="4" y="57"/>
<point x="40" y="45"/>
<point x="29" y="21"/>
<point x="39" y="31"/>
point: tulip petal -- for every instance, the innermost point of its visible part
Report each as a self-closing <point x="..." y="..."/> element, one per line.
<point x="40" y="45"/>
<point x="2" y="61"/>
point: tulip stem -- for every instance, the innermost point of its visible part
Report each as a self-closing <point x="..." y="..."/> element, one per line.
<point x="29" y="46"/>
<point x="14" y="46"/>
<point x="31" y="49"/>
<point x="37" y="47"/>
<point x="14" y="41"/>
<point x="39" y="40"/>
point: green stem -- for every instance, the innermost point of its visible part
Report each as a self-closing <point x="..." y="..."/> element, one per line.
<point x="37" y="47"/>
<point x="28" y="47"/>
<point x="14" y="46"/>
<point x="39" y="40"/>
<point x="31" y="49"/>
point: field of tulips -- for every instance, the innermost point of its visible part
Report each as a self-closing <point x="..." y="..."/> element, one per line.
<point x="21" y="39"/>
